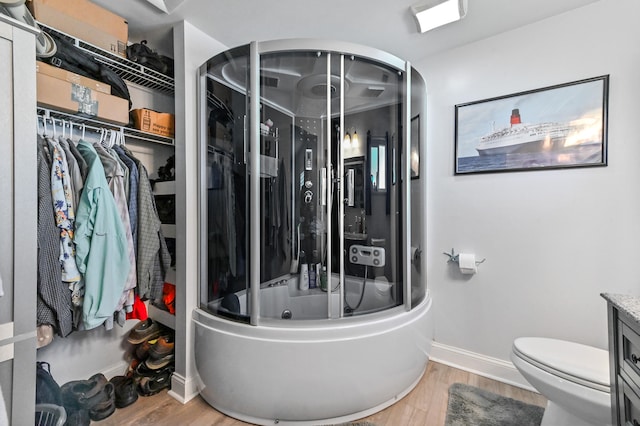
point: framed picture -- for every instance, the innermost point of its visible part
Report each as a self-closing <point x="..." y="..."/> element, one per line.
<point x="553" y="127"/>
<point x="415" y="147"/>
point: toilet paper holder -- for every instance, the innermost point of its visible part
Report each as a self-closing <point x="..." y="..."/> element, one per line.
<point x="454" y="258"/>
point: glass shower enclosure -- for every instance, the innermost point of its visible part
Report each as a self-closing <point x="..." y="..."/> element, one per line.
<point x="304" y="200"/>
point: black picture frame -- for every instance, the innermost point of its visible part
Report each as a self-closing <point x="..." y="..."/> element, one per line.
<point x="560" y="126"/>
<point x="414" y="148"/>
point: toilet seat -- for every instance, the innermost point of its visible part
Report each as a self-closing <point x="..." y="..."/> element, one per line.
<point x="580" y="364"/>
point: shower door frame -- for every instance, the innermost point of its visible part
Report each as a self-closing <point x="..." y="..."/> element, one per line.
<point x="332" y="49"/>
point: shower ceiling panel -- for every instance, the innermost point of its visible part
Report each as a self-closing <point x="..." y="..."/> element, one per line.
<point x="298" y="83"/>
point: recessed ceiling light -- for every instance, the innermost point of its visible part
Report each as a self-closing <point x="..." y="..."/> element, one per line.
<point x="436" y="13"/>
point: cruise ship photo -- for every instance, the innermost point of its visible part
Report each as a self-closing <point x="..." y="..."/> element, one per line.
<point x="540" y="137"/>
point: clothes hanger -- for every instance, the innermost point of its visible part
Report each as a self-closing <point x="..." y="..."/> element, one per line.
<point x="44" y="126"/>
<point x="112" y="138"/>
<point x="41" y="120"/>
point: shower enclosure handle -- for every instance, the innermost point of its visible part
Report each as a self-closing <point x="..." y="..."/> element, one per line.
<point x="244" y="138"/>
<point x="323" y="187"/>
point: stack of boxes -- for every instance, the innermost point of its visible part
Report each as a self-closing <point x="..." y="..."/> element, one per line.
<point x="71" y="93"/>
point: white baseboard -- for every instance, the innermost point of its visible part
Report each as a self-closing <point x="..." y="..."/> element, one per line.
<point x="482" y="365"/>
<point x="119" y="369"/>
<point x="183" y="389"/>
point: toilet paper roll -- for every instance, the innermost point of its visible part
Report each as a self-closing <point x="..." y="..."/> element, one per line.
<point x="467" y="262"/>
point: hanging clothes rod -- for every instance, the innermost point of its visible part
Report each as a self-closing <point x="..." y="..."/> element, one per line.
<point x="83" y="127"/>
<point x="93" y="124"/>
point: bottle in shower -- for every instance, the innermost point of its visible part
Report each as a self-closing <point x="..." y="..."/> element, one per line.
<point x="313" y="275"/>
<point x="323" y="279"/>
<point x="304" y="277"/>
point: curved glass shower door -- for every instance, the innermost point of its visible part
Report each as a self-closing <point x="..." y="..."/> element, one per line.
<point x="305" y="207"/>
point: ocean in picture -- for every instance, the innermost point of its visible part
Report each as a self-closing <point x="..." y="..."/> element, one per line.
<point x="569" y="157"/>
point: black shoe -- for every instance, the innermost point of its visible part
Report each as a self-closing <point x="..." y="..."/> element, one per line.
<point x="125" y="391"/>
<point x="106" y="407"/>
<point x="77" y="417"/>
<point x="82" y="394"/>
<point x="152" y="385"/>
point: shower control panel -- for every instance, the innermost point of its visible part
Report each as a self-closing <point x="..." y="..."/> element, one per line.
<point x="366" y="255"/>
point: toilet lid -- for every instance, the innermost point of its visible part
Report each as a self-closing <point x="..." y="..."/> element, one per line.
<point x="579" y="363"/>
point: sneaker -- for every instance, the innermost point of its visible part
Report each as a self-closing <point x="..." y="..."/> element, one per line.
<point x="143" y="331"/>
<point x="163" y="347"/>
<point x="157" y="363"/>
<point x="152" y="385"/>
<point x="142" y="371"/>
<point x="142" y="350"/>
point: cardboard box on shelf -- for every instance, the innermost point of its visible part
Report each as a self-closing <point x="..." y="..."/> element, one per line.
<point x="74" y="98"/>
<point x="72" y="77"/>
<point x="84" y="20"/>
<point x="159" y="123"/>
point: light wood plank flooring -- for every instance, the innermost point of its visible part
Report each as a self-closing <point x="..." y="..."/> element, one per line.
<point x="426" y="404"/>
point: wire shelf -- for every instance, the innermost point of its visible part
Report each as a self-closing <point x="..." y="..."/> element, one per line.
<point x="128" y="70"/>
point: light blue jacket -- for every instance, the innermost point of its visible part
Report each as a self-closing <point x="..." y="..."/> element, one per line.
<point x="101" y="244"/>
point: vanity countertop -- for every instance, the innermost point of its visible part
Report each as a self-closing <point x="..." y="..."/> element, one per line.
<point x="625" y="303"/>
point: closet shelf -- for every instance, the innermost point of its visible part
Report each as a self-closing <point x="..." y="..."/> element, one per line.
<point x="128" y="70"/>
<point x="163" y="317"/>
<point x="94" y="124"/>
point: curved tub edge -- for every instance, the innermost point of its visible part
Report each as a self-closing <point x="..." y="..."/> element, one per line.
<point x="304" y="382"/>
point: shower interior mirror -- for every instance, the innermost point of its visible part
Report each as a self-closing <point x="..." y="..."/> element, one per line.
<point x="354" y="183"/>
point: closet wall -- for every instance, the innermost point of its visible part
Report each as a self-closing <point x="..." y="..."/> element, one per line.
<point x="17" y="200"/>
<point x="84" y="353"/>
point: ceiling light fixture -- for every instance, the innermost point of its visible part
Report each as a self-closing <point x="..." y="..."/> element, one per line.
<point x="436" y="13"/>
<point x="167" y="6"/>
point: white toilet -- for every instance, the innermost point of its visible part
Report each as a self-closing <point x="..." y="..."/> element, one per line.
<point x="573" y="377"/>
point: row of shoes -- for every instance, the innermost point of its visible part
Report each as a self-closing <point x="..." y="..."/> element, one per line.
<point x="96" y="398"/>
<point x="154" y="354"/>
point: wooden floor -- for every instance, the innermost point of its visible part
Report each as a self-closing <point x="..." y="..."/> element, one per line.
<point x="426" y="404"/>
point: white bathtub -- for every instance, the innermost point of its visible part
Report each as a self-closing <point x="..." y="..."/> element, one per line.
<point x="311" y="372"/>
<point x="312" y="304"/>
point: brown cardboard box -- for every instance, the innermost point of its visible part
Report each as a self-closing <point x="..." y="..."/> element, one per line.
<point x="73" y="98"/>
<point x="160" y="123"/>
<point x="84" y="20"/>
<point x="71" y="77"/>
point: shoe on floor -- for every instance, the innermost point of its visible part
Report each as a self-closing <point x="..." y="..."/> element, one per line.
<point x="143" y="331"/>
<point x="107" y="406"/>
<point x="83" y="394"/>
<point x="152" y="385"/>
<point x="125" y="391"/>
<point x="77" y="417"/>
